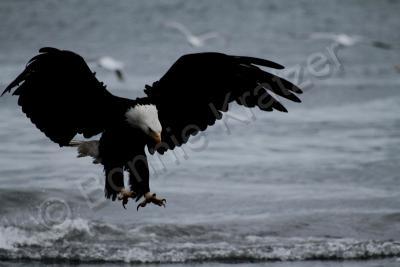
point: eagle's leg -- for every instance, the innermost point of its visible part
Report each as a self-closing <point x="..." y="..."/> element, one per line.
<point x="124" y="196"/>
<point x="150" y="197"/>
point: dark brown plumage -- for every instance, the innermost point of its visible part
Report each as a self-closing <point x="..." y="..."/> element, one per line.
<point x="62" y="97"/>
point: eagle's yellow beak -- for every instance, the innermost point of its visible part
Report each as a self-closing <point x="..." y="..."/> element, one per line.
<point x="156" y="137"/>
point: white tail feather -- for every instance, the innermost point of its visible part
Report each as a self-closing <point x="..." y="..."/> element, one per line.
<point x="87" y="149"/>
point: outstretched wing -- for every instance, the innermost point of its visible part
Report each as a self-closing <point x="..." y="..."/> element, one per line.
<point x="62" y="97"/>
<point x="198" y="87"/>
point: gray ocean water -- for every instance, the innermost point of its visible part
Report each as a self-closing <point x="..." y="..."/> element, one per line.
<point x="318" y="186"/>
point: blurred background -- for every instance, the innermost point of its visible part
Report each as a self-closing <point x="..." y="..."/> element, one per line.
<point x="320" y="183"/>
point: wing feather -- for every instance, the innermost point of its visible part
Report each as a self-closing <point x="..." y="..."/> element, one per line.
<point x="198" y="87"/>
<point x="62" y="97"/>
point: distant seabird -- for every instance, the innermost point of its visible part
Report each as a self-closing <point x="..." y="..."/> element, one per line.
<point x="63" y="98"/>
<point x="340" y="38"/>
<point x="193" y="40"/>
<point x="349" y="40"/>
<point x="110" y="64"/>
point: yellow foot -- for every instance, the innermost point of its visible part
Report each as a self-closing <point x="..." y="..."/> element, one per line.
<point x="150" y="197"/>
<point x="124" y="195"/>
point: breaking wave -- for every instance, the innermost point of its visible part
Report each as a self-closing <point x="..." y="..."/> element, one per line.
<point x="85" y="241"/>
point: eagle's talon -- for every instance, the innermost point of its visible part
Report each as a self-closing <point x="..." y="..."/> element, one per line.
<point x="151" y="198"/>
<point x="124" y="195"/>
<point x="124" y="202"/>
<point x="143" y="204"/>
<point x="161" y="202"/>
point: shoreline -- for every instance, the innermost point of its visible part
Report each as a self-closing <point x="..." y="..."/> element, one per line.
<point x="386" y="262"/>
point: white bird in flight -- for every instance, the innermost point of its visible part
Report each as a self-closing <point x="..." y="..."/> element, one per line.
<point x="193" y="40"/>
<point x="110" y="64"/>
<point x="340" y="38"/>
<point x="350" y="40"/>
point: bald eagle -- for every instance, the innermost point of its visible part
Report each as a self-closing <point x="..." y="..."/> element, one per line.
<point x="61" y="95"/>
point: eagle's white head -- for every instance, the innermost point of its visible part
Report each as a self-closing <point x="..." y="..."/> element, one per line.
<point x="145" y="117"/>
